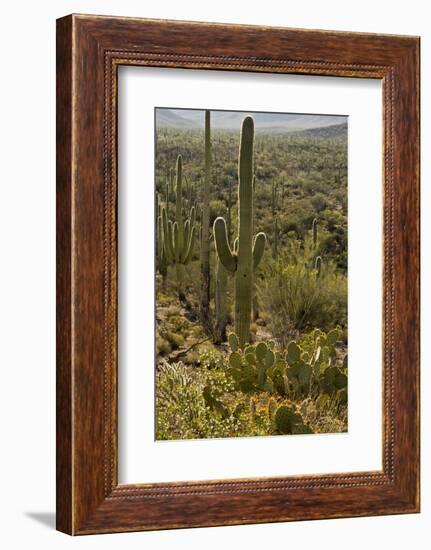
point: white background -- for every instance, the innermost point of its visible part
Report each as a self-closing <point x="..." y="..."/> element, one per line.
<point x="141" y="458"/>
<point x="27" y="313"/>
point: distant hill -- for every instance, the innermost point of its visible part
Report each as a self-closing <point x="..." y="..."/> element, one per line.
<point x="334" y="131"/>
<point x="231" y="120"/>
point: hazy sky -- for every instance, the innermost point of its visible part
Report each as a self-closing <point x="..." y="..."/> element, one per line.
<point x="189" y="118"/>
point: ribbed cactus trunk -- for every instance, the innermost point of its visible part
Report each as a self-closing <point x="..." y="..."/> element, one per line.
<point x="318" y="266"/>
<point x="229" y="211"/>
<point x="314" y="233"/>
<point x="178" y="232"/>
<point x="246" y="255"/>
<point x="273" y="199"/>
<point x="221" y="302"/>
<point x="244" y="275"/>
<point x="159" y="234"/>
<point x="162" y="260"/>
<point x="275" y="221"/>
<point x="205" y="232"/>
<point x="255" y="298"/>
<point x="316" y="262"/>
<point x="169" y="189"/>
<point x="275" y="243"/>
<point x="221" y="306"/>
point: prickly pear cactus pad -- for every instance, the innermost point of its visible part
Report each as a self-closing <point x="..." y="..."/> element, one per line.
<point x="250" y="256"/>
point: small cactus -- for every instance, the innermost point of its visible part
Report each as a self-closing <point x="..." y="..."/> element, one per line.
<point x="316" y="262"/>
<point x="318" y="265"/>
<point x="272" y="409"/>
<point x="275" y="243"/>
<point x="253" y="412"/>
<point x="273" y="199"/>
<point x="233" y="341"/>
<point x="288" y="421"/>
<point x="314" y="233"/>
<point x="275" y="220"/>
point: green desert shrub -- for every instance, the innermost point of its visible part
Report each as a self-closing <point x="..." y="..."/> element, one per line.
<point x="176" y="340"/>
<point x="178" y="400"/>
<point x="324" y="414"/>
<point x="210" y="358"/>
<point x="178" y="323"/>
<point x="297" y="297"/>
<point x="163" y="347"/>
<point x="200" y="403"/>
<point x="217" y="208"/>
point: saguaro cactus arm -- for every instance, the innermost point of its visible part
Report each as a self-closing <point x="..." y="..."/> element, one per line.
<point x="185" y="240"/>
<point x="167" y="234"/>
<point x="318" y="265"/>
<point x="176" y="232"/>
<point x="258" y="248"/>
<point x="190" y="245"/>
<point x="235" y="246"/>
<point x="224" y="252"/>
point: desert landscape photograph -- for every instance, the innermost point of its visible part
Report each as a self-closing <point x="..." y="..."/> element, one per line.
<point x="251" y="274"/>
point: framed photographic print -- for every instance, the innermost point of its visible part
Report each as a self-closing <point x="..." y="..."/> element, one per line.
<point x="237" y="274"/>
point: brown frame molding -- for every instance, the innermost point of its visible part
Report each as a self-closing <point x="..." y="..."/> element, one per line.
<point x="89" y="51"/>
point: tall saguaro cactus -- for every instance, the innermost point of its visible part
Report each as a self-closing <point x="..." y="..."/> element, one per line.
<point x="314" y="233"/>
<point x="275" y="220"/>
<point x="275" y="243"/>
<point x="249" y="253"/>
<point x="221" y="307"/>
<point x="317" y="260"/>
<point x="179" y="237"/>
<point x="273" y="199"/>
<point x="205" y="231"/>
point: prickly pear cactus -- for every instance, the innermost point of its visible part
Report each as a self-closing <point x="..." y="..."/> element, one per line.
<point x="250" y="366"/>
<point x="272" y="409"/>
<point x="303" y="369"/>
<point x="289" y="421"/>
<point x="250" y="251"/>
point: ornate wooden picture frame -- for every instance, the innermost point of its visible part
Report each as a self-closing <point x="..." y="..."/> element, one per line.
<point x="89" y="51"/>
